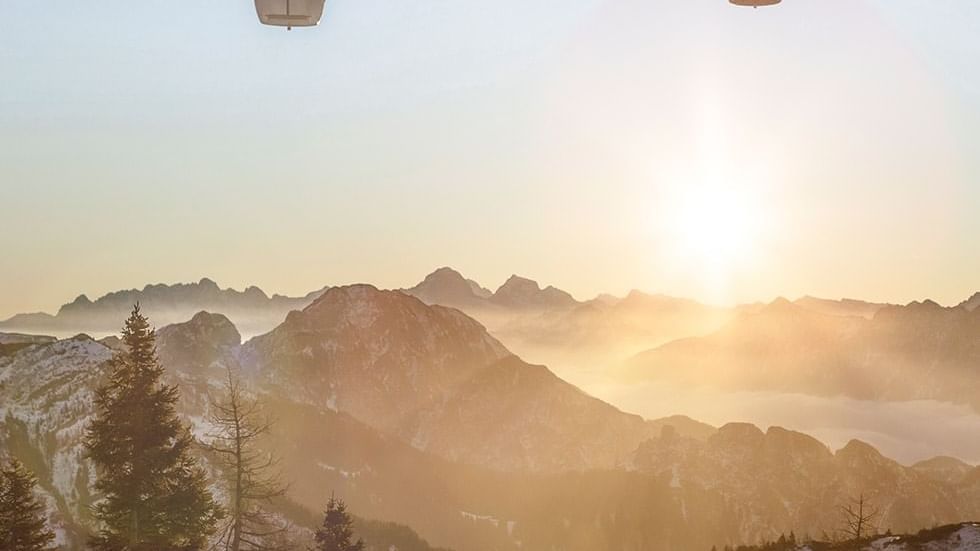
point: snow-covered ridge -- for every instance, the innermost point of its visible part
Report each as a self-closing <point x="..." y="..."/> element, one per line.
<point x="958" y="537"/>
<point x="46" y="394"/>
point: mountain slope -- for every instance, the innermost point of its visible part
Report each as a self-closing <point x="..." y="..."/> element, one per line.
<point x="780" y="481"/>
<point x="437" y="379"/>
<point x="46" y="394"/>
<point x="515" y="416"/>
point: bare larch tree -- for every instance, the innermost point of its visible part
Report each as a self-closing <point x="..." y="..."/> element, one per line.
<point x="252" y="479"/>
<point x="858" y="515"/>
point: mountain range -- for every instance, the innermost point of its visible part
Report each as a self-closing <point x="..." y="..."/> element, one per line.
<point x="417" y="415"/>
<point x="552" y="327"/>
<point x="814" y="346"/>
<point x="917" y="351"/>
<point x="448" y="287"/>
<point x="252" y="310"/>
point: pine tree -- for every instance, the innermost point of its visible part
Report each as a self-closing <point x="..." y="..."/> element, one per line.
<point x="252" y="484"/>
<point x="22" y="523"/>
<point x="336" y="532"/>
<point x="153" y="494"/>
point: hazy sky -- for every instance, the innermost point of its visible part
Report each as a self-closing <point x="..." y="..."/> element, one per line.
<point x="829" y="147"/>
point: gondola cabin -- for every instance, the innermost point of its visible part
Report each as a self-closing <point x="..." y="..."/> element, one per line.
<point x="289" y="13"/>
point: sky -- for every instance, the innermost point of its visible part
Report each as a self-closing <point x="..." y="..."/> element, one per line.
<point x="693" y="148"/>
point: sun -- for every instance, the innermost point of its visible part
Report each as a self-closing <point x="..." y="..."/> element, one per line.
<point x="717" y="224"/>
<point x="715" y="229"/>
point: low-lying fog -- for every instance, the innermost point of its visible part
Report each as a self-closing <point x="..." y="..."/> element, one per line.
<point x="905" y="431"/>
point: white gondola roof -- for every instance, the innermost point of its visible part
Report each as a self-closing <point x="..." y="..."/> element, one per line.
<point x="289" y="13"/>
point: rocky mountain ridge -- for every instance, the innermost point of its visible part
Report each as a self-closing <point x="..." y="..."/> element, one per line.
<point x="252" y="309"/>
<point x="447" y="287"/>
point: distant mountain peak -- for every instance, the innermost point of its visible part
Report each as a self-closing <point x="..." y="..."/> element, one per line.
<point x="446" y="276"/>
<point x="354" y="289"/>
<point x="781" y="302"/>
<point x="448" y="287"/>
<point x="215" y="328"/>
<point x="360" y="293"/>
<point x="927" y="304"/>
<point x="255" y="292"/>
<point x="363" y="305"/>
<point x="522" y="292"/>
<point x="444" y="271"/>
<point x="209" y="320"/>
<point x="198" y="342"/>
<point x="859" y="450"/>
<point x="520" y="281"/>
<point x="781" y="306"/>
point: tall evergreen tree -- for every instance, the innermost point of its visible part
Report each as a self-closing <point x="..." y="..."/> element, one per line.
<point x="336" y="532"/>
<point x="22" y="523"/>
<point x="250" y="474"/>
<point x="153" y="494"/>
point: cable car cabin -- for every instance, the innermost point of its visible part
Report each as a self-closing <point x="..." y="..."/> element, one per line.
<point x="289" y="13"/>
<point x="755" y="3"/>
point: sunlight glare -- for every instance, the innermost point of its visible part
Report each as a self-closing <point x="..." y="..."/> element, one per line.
<point x="716" y="226"/>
